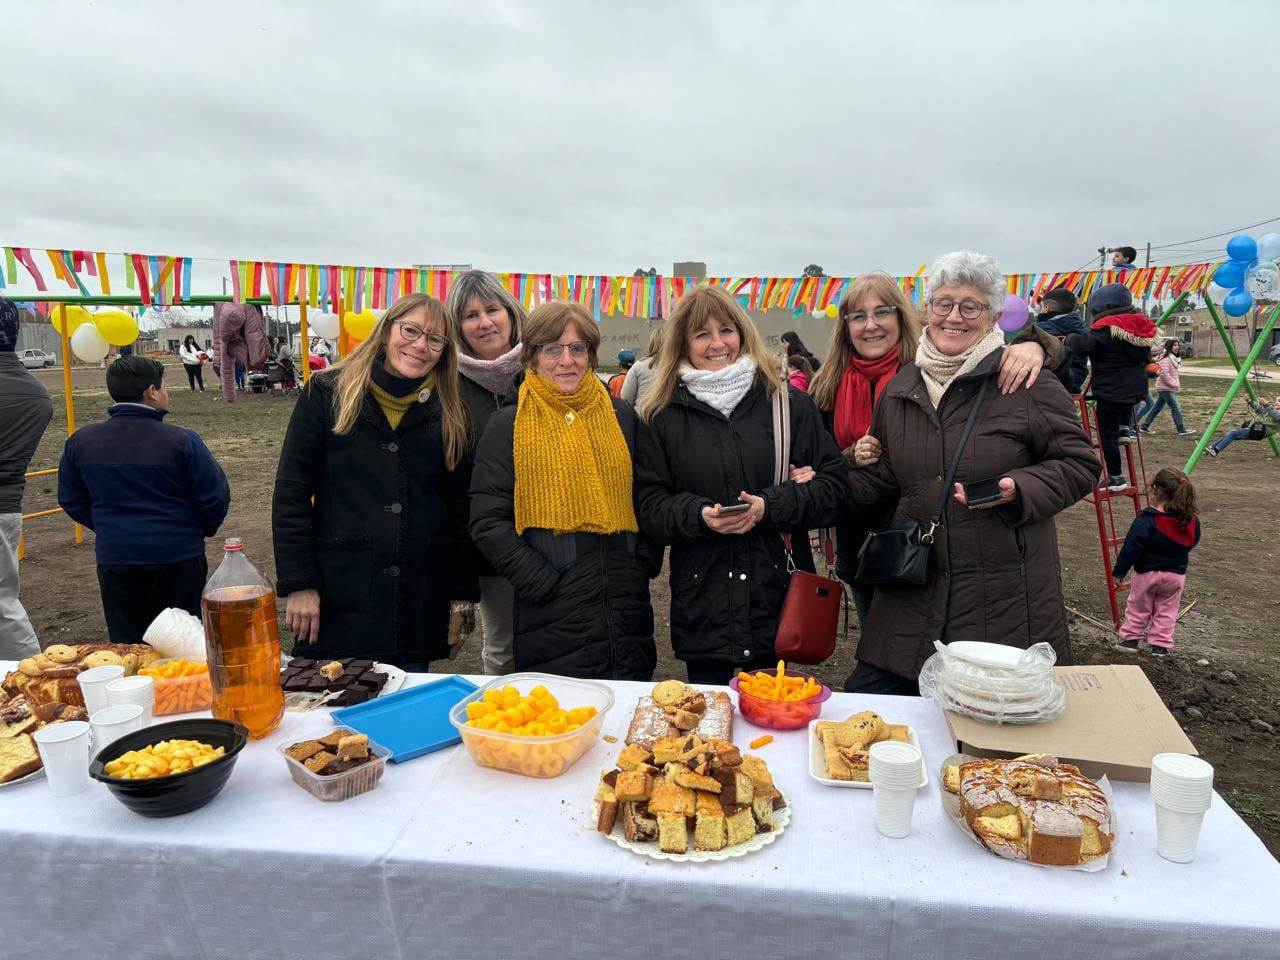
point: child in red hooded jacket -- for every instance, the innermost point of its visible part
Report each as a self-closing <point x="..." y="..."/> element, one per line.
<point x="1156" y="549"/>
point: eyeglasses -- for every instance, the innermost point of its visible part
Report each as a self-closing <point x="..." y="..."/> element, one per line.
<point x="969" y="309"/>
<point x="577" y="349"/>
<point x="881" y="314"/>
<point x="413" y="333"/>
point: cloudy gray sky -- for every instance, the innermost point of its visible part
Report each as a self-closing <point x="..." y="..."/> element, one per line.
<point x="596" y="137"/>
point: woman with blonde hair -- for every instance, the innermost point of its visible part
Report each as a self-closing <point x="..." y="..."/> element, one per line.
<point x="369" y="512"/>
<point x="552" y="509"/>
<point x="489" y="320"/>
<point x="706" y="483"/>
<point x="640" y="377"/>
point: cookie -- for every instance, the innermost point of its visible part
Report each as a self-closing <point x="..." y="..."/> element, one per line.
<point x="61" y="653"/>
<point x="130" y="662"/>
<point x="103" y="658"/>
<point x="30" y="668"/>
<point x="670" y="692"/>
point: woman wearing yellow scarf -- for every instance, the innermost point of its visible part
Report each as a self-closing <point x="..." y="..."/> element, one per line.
<point x="552" y="510"/>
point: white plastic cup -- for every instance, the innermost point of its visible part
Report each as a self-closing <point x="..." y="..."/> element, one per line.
<point x="893" y="810"/>
<point x="64" y="750"/>
<point x="894" y="765"/>
<point x="1177" y="833"/>
<point x="93" y="686"/>
<point x="1181" y="782"/>
<point x="138" y="690"/>
<point x="112" y="723"/>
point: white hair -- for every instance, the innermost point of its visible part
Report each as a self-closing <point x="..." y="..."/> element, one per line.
<point x="965" y="268"/>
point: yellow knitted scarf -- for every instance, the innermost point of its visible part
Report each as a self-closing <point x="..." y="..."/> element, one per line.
<point x="572" y="465"/>
<point x="393" y="407"/>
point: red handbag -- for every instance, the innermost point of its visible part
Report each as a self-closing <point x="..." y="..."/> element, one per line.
<point x="810" y="616"/>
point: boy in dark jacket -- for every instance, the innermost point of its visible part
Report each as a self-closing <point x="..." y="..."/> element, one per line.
<point x="151" y="492"/>
<point x="1058" y="318"/>
<point x="1118" y="343"/>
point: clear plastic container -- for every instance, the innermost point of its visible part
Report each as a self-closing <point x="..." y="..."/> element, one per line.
<point x="543" y="757"/>
<point x="337" y="786"/>
<point x="1019" y="689"/>
<point x="781" y="714"/>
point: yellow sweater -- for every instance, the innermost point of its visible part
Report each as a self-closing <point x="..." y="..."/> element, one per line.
<point x="394" y="408"/>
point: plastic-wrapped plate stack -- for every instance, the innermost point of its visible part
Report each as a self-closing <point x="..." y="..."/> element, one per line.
<point x="999" y="684"/>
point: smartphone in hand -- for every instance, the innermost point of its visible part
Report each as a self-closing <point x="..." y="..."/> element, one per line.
<point x="730" y="509"/>
<point x="982" y="492"/>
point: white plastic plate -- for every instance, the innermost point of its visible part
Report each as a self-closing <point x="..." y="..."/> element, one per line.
<point x="818" y="761"/>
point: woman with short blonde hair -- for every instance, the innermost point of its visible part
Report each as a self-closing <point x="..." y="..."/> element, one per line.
<point x="640" y="377"/>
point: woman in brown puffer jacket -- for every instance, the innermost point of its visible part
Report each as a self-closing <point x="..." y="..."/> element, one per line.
<point x="996" y="573"/>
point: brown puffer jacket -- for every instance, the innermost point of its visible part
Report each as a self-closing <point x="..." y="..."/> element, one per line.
<point x="996" y="572"/>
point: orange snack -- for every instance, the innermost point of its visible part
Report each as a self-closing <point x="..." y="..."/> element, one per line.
<point x="759" y="742"/>
<point x="536" y="714"/>
<point x="182" y="686"/>
<point x="778" y="686"/>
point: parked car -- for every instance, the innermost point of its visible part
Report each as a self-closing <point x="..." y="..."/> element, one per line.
<point x="1275" y="354"/>
<point x="35" y="359"/>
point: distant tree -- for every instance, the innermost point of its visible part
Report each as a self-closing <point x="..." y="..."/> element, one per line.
<point x="641" y="272"/>
<point x="813" y="270"/>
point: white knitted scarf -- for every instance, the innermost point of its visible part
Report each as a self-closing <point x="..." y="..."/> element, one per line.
<point x="496" y="376"/>
<point x="721" y="389"/>
<point x="938" y="369"/>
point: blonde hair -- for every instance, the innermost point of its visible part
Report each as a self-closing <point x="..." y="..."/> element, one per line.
<point x="548" y="323"/>
<point x="824" y="385"/>
<point x="655" y="342"/>
<point x="478" y="285"/>
<point x="691" y="314"/>
<point x="353" y="374"/>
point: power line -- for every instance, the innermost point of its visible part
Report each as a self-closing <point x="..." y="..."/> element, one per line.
<point x="1214" y="236"/>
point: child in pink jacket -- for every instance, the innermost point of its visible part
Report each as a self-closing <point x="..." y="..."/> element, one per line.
<point x="1168" y="385"/>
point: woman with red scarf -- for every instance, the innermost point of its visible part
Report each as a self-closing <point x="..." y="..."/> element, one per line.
<point x="878" y="332"/>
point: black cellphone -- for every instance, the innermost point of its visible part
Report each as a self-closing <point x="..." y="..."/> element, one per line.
<point x="982" y="491"/>
<point x="729" y="509"/>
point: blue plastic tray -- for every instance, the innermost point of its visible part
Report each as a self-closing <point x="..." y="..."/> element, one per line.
<point x="411" y="722"/>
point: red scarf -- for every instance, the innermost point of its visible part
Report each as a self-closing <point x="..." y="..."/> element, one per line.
<point x="860" y="388"/>
<point x="1141" y="327"/>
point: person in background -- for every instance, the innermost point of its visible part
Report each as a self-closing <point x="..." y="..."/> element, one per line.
<point x="189" y="354"/>
<point x="793" y="345"/>
<point x="240" y="376"/>
<point x="1156" y="548"/>
<point x="369" y="511"/>
<point x="1265" y="423"/>
<point x="490" y="321"/>
<point x="640" y="377"/>
<point x="1168" y="386"/>
<point x="25" y="411"/>
<point x="1118" y="343"/>
<point x="799" y="372"/>
<point x="1122" y="258"/>
<point x="552" y="509"/>
<point x="151" y="492"/>
<point x="626" y="360"/>
<point x="710" y="445"/>
<point x="1058" y="318"/>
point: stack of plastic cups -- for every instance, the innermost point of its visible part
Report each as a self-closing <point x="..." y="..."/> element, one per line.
<point x="1182" y="787"/>
<point x="894" y="769"/>
<point x="93" y="686"/>
<point x="139" y="690"/>
<point x="112" y="723"/>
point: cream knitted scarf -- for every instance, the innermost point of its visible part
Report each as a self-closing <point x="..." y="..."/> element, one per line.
<point x="938" y="369"/>
<point x="721" y="389"/>
<point x="496" y="376"/>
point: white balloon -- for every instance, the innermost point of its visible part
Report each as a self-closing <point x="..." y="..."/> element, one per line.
<point x="1263" y="281"/>
<point x="323" y="325"/>
<point x="88" y="344"/>
<point x="817" y="314"/>
<point x="1269" y="246"/>
<point x="1216" y="293"/>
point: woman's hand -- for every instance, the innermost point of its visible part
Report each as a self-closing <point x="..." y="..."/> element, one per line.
<point x="1020" y="360"/>
<point x="802" y="474"/>
<point x="1008" y="493"/>
<point x="866" y="451"/>
<point x="735" y="523"/>
<point x="302" y="615"/>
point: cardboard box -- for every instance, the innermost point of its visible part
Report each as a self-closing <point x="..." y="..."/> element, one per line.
<point x="1115" y="722"/>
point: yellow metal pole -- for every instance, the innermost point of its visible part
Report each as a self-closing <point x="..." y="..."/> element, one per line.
<point x="344" y="338"/>
<point x="66" y="386"/>
<point x="306" y="342"/>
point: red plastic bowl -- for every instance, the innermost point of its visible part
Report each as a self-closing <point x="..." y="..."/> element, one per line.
<point x="781" y="714"/>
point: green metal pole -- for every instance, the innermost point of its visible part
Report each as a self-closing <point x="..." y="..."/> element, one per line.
<point x="1241" y="376"/>
<point x="1235" y="360"/>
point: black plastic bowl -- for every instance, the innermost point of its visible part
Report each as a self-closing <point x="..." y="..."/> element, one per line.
<point x="179" y="792"/>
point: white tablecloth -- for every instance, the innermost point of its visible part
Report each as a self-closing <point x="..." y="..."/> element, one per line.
<point x="446" y="859"/>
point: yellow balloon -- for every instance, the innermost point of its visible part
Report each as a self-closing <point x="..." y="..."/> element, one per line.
<point x="76" y="316"/>
<point x="361" y="324"/>
<point x="833" y="311"/>
<point x="117" y="327"/>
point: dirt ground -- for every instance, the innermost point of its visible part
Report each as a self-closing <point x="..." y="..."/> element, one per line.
<point x="1221" y="682"/>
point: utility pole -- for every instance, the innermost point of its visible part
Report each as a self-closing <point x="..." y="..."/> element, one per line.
<point x="1146" y="290"/>
<point x="1102" y="258"/>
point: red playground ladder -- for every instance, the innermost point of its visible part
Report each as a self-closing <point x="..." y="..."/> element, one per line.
<point x="1104" y="500"/>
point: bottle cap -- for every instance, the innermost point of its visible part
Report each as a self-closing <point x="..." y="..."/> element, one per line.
<point x="232" y="543"/>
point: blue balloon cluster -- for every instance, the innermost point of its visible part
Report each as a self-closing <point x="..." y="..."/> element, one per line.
<point x="1251" y="270"/>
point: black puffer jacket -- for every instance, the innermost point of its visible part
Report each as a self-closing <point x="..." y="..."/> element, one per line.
<point x="727" y="591"/>
<point x="582" y="599"/>
<point x="480" y="404"/>
<point x="1119" y="357"/>
<point x="384" y="540"/>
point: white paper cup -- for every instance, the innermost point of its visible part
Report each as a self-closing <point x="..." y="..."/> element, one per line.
<point x="93" y="686"/>
<point x="138" y="690"/>
<point x="64" y="750"/>
<point x="1177" y="834"/>
<point x="1181" y="782"/>
<point x="112" y="723"/>
<point x="893" y="810"/>
<point x="894" y="765"/>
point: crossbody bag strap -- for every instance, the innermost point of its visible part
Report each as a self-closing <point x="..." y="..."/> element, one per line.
<point x="936" y="520"/>
<point x="781" y="435"/>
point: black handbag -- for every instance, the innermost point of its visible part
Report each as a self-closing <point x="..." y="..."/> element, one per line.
<point x="899" y="553"/>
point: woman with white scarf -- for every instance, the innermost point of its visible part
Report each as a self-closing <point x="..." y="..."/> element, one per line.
<point x="490" y="320"/>
<point x="995" y="573"/>
<point x="710" y="446"/>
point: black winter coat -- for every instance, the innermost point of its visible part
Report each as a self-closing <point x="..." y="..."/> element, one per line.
<point x="385" y="542"/>
<point x="582" y="599"/>
<point x="727" y="591"/>
<point x="481" y="404"/>
<point x="1119" y="362"/>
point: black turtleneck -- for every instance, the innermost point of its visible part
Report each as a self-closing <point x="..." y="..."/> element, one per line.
<point x="393" y="383"/>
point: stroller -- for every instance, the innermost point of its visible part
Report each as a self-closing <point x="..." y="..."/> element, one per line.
<point x="282" y="374"/>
